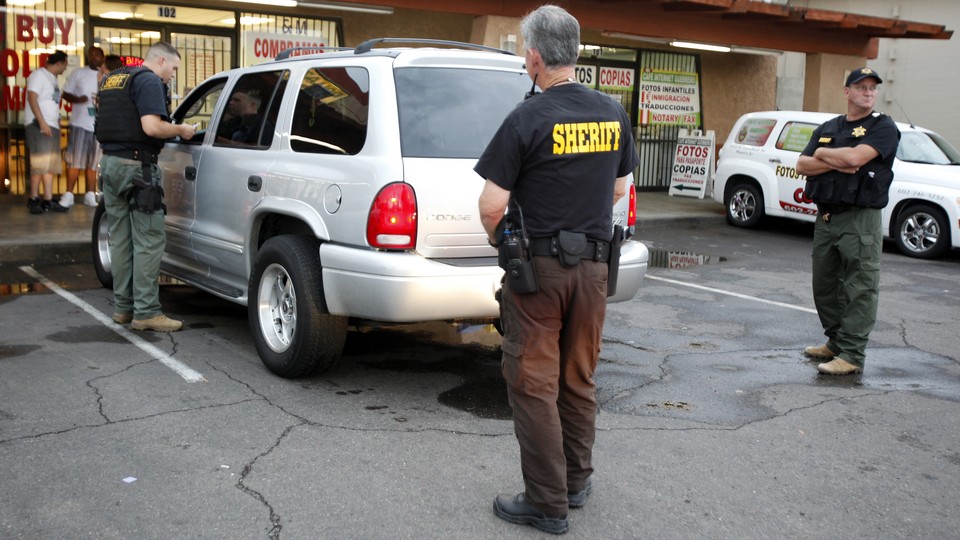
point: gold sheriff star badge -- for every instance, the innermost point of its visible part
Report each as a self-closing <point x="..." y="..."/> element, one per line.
<point x="859" y="131"/>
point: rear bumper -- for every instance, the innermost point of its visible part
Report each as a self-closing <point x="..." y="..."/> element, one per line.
<point x="634" y="257"/>
<point x="405" y="287"/>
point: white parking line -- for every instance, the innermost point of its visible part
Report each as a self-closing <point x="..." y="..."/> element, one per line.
<point x="178" y="367"/>
<point x="736" y="295"/>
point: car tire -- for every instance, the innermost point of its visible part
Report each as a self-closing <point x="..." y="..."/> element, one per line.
<point x="744" y="204"/>
<point x="100" y="246"/>
<point x="292" y="331"/>
<point x="922" y="231"/>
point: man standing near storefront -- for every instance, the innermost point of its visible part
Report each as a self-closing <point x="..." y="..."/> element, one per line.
<point x="849" y="167"/>
<point x="83" y="152"/>
<point x="42" y="120"/>
<point x="132" y="126"/>
<point x="561" y="184"/>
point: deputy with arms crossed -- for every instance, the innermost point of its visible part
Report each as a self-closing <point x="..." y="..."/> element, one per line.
<point x="849" y="167"/>
<point x="131" y="127"/>
<point x="561" y="158"/>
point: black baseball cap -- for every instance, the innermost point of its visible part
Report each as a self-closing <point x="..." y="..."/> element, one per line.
<point x="858" y="75"/>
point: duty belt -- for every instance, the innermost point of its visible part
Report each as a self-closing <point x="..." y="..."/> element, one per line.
<point x="827" y="211"/>
<point x="549" y="247"/>
<point x="137" y="155"/>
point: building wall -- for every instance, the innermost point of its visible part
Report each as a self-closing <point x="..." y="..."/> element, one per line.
<point x="735" y="84"/>
<point x="359" y="27"/>
<point x="920" y="76"/>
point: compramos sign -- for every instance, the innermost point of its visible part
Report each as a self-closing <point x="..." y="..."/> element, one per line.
<point x="262" y="46"/>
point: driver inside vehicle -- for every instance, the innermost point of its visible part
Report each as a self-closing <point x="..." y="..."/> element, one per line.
<point x="242" y="123"/>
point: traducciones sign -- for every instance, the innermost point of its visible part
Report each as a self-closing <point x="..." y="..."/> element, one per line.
<point x="669" y="98"/>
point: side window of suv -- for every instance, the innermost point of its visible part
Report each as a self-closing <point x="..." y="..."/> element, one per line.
<point x="199" y="108"/>
<point x="330" y="116"/>
<point x="250" y="115"/>
<point x="795" y="136"/>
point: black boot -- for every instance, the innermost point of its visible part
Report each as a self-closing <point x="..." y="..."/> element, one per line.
<point x="517" y="510"/>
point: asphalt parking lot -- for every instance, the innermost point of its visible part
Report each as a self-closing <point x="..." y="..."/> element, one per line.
<point x="711" y="423"/>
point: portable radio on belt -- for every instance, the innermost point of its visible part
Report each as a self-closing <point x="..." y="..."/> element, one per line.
<point x="514" y="252"/>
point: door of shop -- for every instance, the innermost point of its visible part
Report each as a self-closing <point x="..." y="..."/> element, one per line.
<point x="203" y="51"/>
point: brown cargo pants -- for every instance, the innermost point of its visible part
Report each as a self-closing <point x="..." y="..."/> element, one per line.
<point x="550" y="347"/>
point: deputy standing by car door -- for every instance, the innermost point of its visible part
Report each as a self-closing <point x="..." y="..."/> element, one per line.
<point x="561" y="158"/>
<point x="132" y="125"/>
<point x="849" y="167"/>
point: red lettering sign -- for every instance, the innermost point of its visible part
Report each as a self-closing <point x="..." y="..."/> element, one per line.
<point x="43" y="29"/>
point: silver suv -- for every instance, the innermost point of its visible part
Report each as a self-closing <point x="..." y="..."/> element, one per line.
<point x="329" y="190"/>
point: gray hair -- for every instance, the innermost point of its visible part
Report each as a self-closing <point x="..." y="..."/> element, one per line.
<point x="553" y="32"/>
<point x="161" y="48"/>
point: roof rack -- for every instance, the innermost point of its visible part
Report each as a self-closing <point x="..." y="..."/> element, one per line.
<point x="284" y="54"/>
<point x="366" y="46"/>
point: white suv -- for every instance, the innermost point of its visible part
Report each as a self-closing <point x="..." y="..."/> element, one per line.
<point x="349" y="196"/>
<point x="757" y="176"/>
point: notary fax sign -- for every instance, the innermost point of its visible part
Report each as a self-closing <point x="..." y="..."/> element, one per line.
<point x="692" y="164"/>
<point x="669" y="98"/>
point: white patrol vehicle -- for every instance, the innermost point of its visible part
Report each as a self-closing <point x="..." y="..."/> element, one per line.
<point x="757" y="176"/>
<point x="348" y="198"/>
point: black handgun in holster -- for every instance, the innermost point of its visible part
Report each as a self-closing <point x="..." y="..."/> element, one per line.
<point x="147" y="195"/>
<point x="514" y="253"/>
<point x="613" y="263"/>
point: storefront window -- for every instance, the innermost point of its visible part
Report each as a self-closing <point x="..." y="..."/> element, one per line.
<point x="264" y="36"/>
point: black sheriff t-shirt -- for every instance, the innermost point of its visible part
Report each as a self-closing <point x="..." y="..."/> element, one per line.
<point x="559" y="154"/>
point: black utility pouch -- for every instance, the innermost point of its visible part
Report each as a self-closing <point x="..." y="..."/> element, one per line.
<point x="523" y="277"/>
<point x="613" y="263"/>
<point x="571" y="246"/>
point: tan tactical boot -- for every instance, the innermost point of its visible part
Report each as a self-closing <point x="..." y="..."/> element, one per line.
<point x="819" y="351"/>
<point x="839" y="366"/>
<point x="122" y="318"/>
<point x="160" y="323"/>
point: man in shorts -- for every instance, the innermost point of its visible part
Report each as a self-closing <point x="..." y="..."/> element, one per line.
<point x="42" y="118"/>
<point x="83" y="151"/>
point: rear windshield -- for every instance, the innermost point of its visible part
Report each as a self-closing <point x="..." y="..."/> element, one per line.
<point x="453" y="113"/>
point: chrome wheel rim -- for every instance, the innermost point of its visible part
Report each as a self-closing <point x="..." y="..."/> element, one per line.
<point x="103" y="243"/>
<point x="920" y="232"/>
<point x="277" y="308"/>
<point x="742" y="205"/>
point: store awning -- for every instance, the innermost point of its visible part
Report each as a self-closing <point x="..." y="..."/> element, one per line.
<point x="740" y="23"/>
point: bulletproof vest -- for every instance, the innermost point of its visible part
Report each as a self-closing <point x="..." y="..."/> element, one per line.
<point x="118" y="120"/>
<point x="867" y="188"/>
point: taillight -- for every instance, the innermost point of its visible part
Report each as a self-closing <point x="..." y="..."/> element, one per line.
<point x="632" y="206"/>
<point x="392" y="223"/>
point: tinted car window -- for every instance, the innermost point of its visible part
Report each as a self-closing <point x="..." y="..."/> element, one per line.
<point x="453" y="113"/>
<point x="330" y="116"/>
<point x="245" y="121"/>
